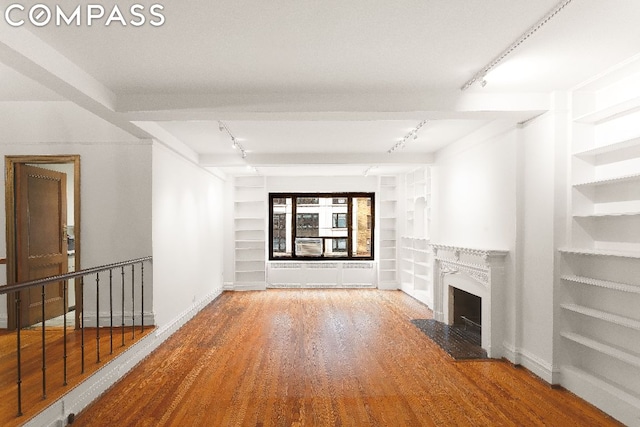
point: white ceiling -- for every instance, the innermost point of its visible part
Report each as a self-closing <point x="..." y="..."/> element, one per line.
<point x="306" y="84"/>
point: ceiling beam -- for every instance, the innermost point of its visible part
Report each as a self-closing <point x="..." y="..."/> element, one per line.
<point x="342" y="106"/>
<point x="287" y="159"/>
<point x="33" y="58"/>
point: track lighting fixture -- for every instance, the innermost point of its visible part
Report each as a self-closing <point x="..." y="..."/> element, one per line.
<point x="234" y="142"/>
<point x="369" y="169"/>
<point x="481" y="74"/>
<point x="402" y="142"/>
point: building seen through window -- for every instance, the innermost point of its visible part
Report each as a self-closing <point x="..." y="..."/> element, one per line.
<point x="321" y="226"/>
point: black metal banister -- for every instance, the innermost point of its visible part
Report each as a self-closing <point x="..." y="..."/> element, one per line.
<point x="16" y="289"/>
<point x="53" y="279"/>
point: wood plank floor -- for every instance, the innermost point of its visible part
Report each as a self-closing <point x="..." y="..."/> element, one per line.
<point x="325" y="358"/>
<point x="31" y="344"/>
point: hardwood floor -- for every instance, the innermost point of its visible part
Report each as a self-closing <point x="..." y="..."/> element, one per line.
<point x="325" y="358"/>
<point x="31" y="355"/>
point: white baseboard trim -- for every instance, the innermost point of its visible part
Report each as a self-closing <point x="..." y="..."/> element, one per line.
<point x="533" y="363"/>
<point x="423" y="296"/>
<point x="78" y="398"/>
<point x="606" y="396"/>
<point x="249" y="286"/>
<point x="388" y="286"/>
<point x="321" y="286"/>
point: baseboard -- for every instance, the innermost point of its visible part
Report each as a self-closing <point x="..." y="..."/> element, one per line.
<point x="618" y="403"/>
<point x="531" y="362"/>
<point x="423" y="296"/>
<point x="388" y="286"/>
<point x="320" y="286"/>
<point x="249" y="286"/>
<point x="78" y="398"/>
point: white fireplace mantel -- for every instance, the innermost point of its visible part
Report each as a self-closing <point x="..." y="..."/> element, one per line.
<point x="479" y="272"/>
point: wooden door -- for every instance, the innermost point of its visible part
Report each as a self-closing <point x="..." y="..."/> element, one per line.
<point x="41" y="239"/>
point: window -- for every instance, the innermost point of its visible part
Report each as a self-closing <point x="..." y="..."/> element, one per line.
<point x="307" y="200"/>
<point x="339" y="245"/>
<point x="317" y="226"/>
<point x="307" y="224"/>
<point x="279" y="232"/>
<point x="339" y="220"/>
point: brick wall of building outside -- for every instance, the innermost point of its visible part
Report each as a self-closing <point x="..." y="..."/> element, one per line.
<point x="363" y="224"/>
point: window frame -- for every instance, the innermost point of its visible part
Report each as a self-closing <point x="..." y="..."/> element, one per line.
<point x="293" y="226"/>
<point x="335" y="220"/>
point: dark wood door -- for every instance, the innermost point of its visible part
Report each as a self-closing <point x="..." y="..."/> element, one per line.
<point x="41" y="239"/>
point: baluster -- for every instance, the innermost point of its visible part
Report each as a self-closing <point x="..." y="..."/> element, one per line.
<point x="65" y="298"/>
<point x="98" y="317"/>
<point x="142" y="297"/>
<point x="111" y="309"/>
<point x="19" y="327"/>
<point x="133" y="303"/>
<point x="122" y="270"/>
<point x="44" y="352"/>
<point x="82" y="323"/>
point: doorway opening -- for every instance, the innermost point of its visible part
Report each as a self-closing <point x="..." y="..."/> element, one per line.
<point x="43" y="236"/>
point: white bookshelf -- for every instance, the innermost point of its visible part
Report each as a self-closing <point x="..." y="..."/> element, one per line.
<point x="599" y="294"/>
<point x="418" y="202"/>
<point x="416" y="269"/>
<point x="250" y="211"/>
<point x="415" y="254"/>
<point x="388" y="225"/>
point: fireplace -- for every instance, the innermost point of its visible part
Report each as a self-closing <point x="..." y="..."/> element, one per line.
<point x="467" y="313"/>
<point x="468" y="283"/>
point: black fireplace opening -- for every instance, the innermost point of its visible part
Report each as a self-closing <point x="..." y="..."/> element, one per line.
<point x="467" y="314"/>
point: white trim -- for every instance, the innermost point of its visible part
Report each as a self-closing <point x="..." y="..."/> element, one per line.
<point x="241" y="286"/>
<point x="533" y="363"/>
<point x="598" y="391"/>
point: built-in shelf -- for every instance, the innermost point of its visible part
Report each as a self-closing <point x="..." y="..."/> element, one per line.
<point x="249" y="230"/>
<point x="609" y="215"/>
<point x="387" y="190"/>
<point x="604" y="206"/>
<point x="611" y="112"/>
<point x="609" y="181"/>
<point x="601" y="252"/>
<point x="616" y="286"/>
<point x="604" y="316"/>
<point x="610" y="148"/>
<point x="609" y="350"/>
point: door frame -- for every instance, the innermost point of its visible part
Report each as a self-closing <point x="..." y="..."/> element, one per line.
<point x="12" y="260"/>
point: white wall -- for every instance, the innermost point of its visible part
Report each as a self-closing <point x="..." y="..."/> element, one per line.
<point x="188" y="248"/>
<point x="474" y="186"/>
<point x="474" y="203"/>
<point x="535" y="303"/>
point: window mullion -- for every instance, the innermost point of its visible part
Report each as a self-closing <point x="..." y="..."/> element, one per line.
<point x="294" y="225"/>
<point x="349" y="228"/>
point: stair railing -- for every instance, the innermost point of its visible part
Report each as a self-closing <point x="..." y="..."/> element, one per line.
<point x="14" y="291"/>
